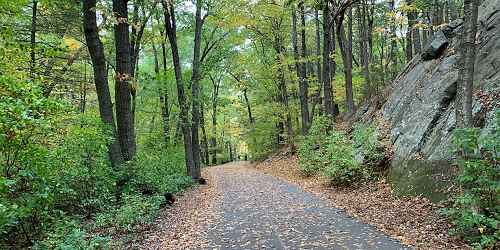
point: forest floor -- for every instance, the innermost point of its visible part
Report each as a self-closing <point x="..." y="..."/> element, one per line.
<point x="270" y="206"/>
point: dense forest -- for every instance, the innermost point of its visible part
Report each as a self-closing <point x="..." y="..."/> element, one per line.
<point x="110" y="108"/>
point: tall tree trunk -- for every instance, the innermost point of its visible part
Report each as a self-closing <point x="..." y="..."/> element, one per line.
<point x="164" y="97"/>
<point x="415" y="32"/>
<point x="467" y="61"/>
<point x="345" y="45"/>
<point x="327" y="46"/>
<point x="96" y="52"/>
<point x="408" y="42"/>
<point x="163" y="101"/>
<point x="283" y="89"/>
<point x="365" y="57"/>
<point x="231" y="156"/>
<point x="206" y="158"/>
<point x="33" y="38"/>
<point x="249" y="109"/>
<point x="213" y="140"/>
<point x="171" y="29"/>
<point x="317" y="95"/>
<point x="301" y="75"/>
<point x="304" y="84"/>
<point x="83" y="90"/>
<point x="195" y="173"/>
<point x="126" y="133"/>
<point x="394" y="44"/>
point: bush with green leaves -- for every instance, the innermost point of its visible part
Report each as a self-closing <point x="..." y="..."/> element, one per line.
<point x="136" y="209"/>
<point x="341" y="167"/>
<point x="55" y="174"/>
<point x="68" y="234"/>
<point x="158" y="172"/>
<point x="476" y="213"/>
<point x="366" y="145"/>
<point x="311" y="150"/>
<point x="262" y="140"/>
<point x="330" y="153"/>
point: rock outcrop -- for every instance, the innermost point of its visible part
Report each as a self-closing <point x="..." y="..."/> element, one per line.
<point x="420" y="107"/>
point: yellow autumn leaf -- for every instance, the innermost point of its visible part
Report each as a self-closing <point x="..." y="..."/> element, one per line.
<point x="71" y="43"/>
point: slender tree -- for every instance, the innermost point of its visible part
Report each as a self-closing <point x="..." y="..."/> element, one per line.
<point x="467" y="62"/>
<point x="33" y="37"/>
<point x="304" y="84"/>
<point x="345" y="45"/>
<point x="97" y="56"/>
<point x="327" y="48"/>
<point x="124" y="115"/>
<point x="195" y="79"/>
<point x="171" y="29"/>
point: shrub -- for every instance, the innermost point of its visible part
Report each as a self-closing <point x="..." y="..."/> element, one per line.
<point x="312" y="147"/>
<point x="368" y="149"/>
<point x="330" y="153"/>
<point x="341" y="167"/>
<point x="158" y="172"/>
<point x="261" y="140"/>
<point x="476" y="213"/>
<point x="67" y="234"/>
<point x="135" y="210"/>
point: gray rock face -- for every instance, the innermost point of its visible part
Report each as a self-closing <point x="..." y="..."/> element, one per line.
<point x="421" y="106"/>
<point x="436" y="47"/>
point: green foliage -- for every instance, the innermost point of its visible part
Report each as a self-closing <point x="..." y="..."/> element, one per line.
<point x="262" y="140"/>
<point x="330" y="153"/>
<point x="136" y="209"/>
<point x="312" y="147"/>
<point x="159" y="172"/>
<point x="367" y="145"/>
<point x="476" y="213"/>
<point x="341" y="167"/>
<point x="67" y="234"/>
<point x="55" y="173"/>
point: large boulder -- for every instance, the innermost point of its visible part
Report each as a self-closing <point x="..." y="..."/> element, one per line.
<point x="436" y="46"/>
<point x="420" y="108"/>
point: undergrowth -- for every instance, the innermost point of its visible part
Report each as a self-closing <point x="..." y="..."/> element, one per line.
<point x="57" y="186"/>
<point x="476" y="212"/>
<point x="331" y="153"/>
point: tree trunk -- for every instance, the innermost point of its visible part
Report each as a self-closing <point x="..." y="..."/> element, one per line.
<point x="327" y="46"/>
<point x="164" y="97"/>
<point x="96" y="52"/>
<point x="304" y="84"/>
<point x="195" y="173"/>
<point x="83" y="90"/>
<point x="408" y="43"/>
<point x="249" y="109"/>
<point x="206" y="159"/>
<point x="467" y="61"/>
<point x="394" y="45"/>
<point x="126" y="133"/>
<point x="317" y="95"/>
<point x="163" y="101"/>
<point x="213" y="140"/>
<point x="365" y="57"/>
<point x="300" y="70"/>
<point x="171" y="29"/>
<point x="415" y="33"/>
<point x="345" y="45"/>
<point x="284" y="92"/>
<point x="33" y="38"/>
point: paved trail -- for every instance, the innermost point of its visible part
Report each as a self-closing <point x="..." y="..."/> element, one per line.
<point x="258" y="211"/>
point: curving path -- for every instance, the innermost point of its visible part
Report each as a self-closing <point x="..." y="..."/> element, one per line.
<point x="258" y="211"/>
